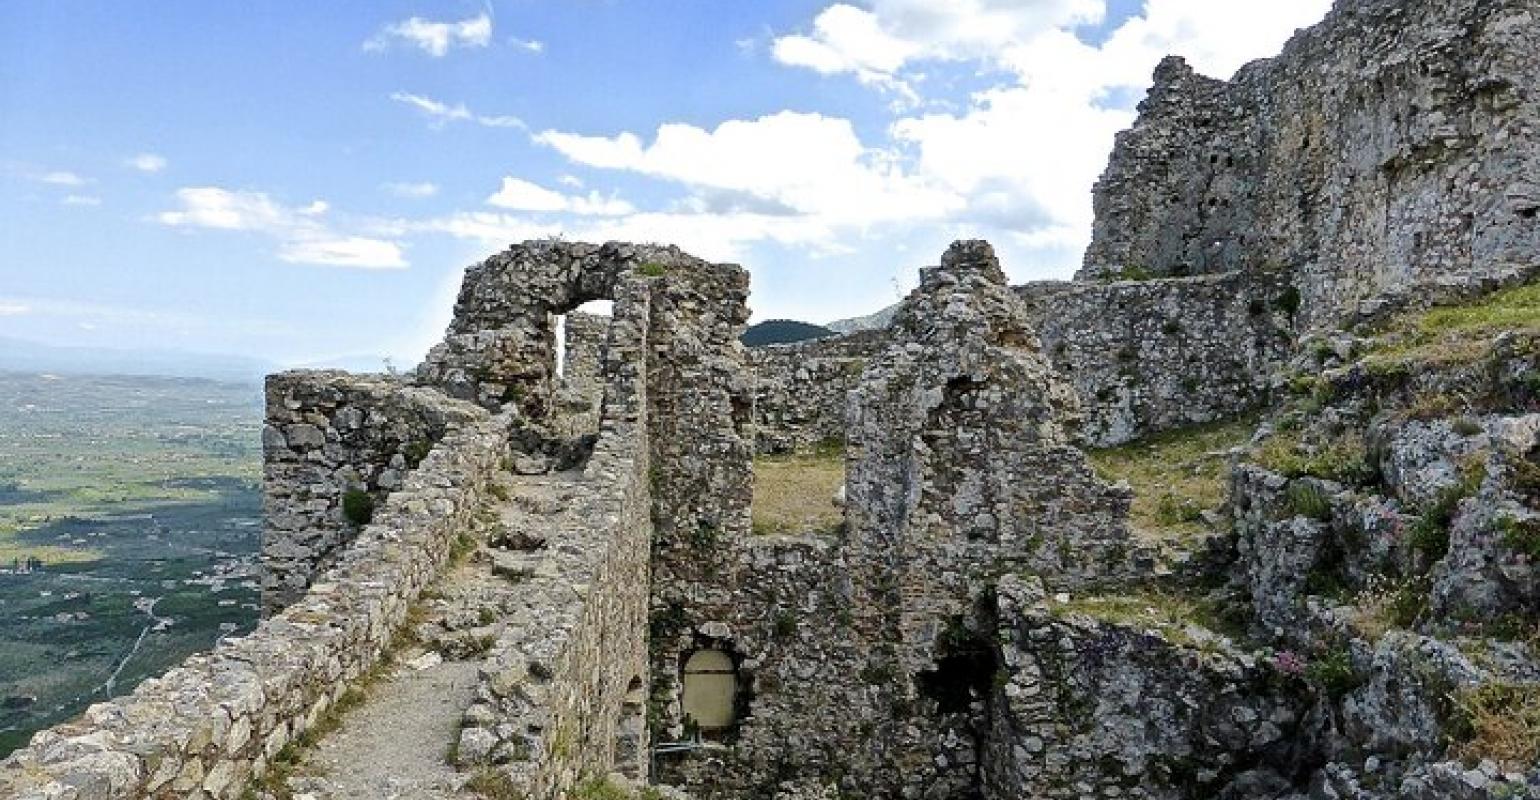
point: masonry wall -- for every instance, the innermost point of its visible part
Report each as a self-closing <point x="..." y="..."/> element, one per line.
<point x="1390" y="146"/>
<point x="205" y="728"/>
<point x="801" y="389"/>
<point x="561" y="696"/>
<point x="328" y="434"/>
<point x="1149" y="356"/>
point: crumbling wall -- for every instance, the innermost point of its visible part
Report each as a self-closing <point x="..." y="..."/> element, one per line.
<point x="1150" y="356"/>
<point x="1087" y="707"/>
<point x="864" y="659"/>
<point x="1390" y="146"/>
<point x="205" y="728"/>
<point x="801" y="389"/>
<point x="561" y="694"/>
<point x="330" y="435"/>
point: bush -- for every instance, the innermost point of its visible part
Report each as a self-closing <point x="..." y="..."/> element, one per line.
<point x="1521" y="535"/>
<point x="358" y="507"/>
<point x="1307" y="499"/>
<point x="1499" y="721"/>
<point x="1333" y="672"/>
<point x="651" y="269"/>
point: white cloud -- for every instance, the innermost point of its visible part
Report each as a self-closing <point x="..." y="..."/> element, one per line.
<point x="784" y="164"/>
<point x="1025" y="152"/>
<point x="147" y="162"/>
<point x="1013" y="161"/>
<point x="81" y="200"/>
<point x="302" y="235"/>
<point x="520" y="195"/>
<point x="413" y="190"/>
<point x="528" y="45"/>
<point x="434" y="38"/>
<point x="441" y="113"/>
<point x="11" y="309"/>
<point x="62" y="178"/>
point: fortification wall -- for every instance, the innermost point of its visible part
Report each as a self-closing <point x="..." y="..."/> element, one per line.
<point x="1390" y="147"/>
<point x="801" y="389"/>
<point x="1149" y="356"/>
<point x="580" y="392"/>
<point x="562" y="693"/>
<point x="329" y="434"/>
<point x="207" y="727"/>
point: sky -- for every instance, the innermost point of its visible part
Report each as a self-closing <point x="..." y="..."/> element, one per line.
<point x="303" y="182"/>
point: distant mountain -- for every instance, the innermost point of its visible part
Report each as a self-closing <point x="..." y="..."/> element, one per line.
<point x="870" y="322"/>
<point x="783" y="331"/>
<point x="21" y="355"/>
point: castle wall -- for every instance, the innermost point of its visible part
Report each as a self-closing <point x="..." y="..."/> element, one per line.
<point x="801" y="389"/>
<point x="330" y="433"/>
<point x="1086" y="707"/>
<point x="205" y="728"/>
<point x="1150" y="356"/>
<point x="1389" y="147"/>
<point x="561" y="696"/>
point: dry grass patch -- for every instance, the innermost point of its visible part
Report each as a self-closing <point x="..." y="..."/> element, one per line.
<point x="795" y="493"/>
<point x="1176" y="475"/>
<point x="1500" y="721"/>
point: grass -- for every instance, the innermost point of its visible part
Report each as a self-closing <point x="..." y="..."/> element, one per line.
<point x="1176" y="475"/>
<point x="1343" y="460"/>
<point x="795" y="493"/>
<point x="1166" y="612"/>
<point x="1499" y="721"/>
<point x="1453" y="333"/>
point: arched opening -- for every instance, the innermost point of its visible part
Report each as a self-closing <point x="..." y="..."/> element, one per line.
<point x="710" y="691"/>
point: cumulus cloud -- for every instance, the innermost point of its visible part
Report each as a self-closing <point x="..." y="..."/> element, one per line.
<point x="1023" y="153"/>
<point x="528" y="45"/>
<point x="520" y="195"/>
<point x="1013" y="159"/>
<point x="147" y="162"/>
<point x="12" y="309"/>
<point x="81" y="200"/>
<point x="808" y="163"/>
<point x="440" y="113"/>
<point x="434" y="38"/>
<point x="302" y="234"/>
<point x="412" y="190"/>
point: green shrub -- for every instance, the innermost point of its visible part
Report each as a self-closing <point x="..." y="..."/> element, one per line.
<point x="1521" y="535"/>
<point x="785" y="624"/>
<point x="1307" y="499"/>
<point x="415" y="452"/>
<point x="358" y="507"/>
<point x="651" y="269"/>
<point x="1334" y="673"/>
<point x="1289" y="301"/>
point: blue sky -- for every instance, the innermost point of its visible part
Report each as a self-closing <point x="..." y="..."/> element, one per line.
<point x="302" y="181"/>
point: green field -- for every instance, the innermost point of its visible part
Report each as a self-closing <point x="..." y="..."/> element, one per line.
<point x="141" y="499"/>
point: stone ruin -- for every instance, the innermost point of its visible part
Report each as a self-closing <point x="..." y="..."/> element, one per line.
<point x="566" y="501"/>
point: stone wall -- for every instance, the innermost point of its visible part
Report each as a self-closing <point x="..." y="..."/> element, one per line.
<point x="329" y="434"/>
<point x="580" y="392"/>
<point x="801" y="389"/>
<point x="1088" y="707"/>
<point x="863" y="660"/>
<point x="205" y="728"/>
<point x="1390" y="146"/>
<point x="1150" y="356"/>
<point x="562" y="692"/>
